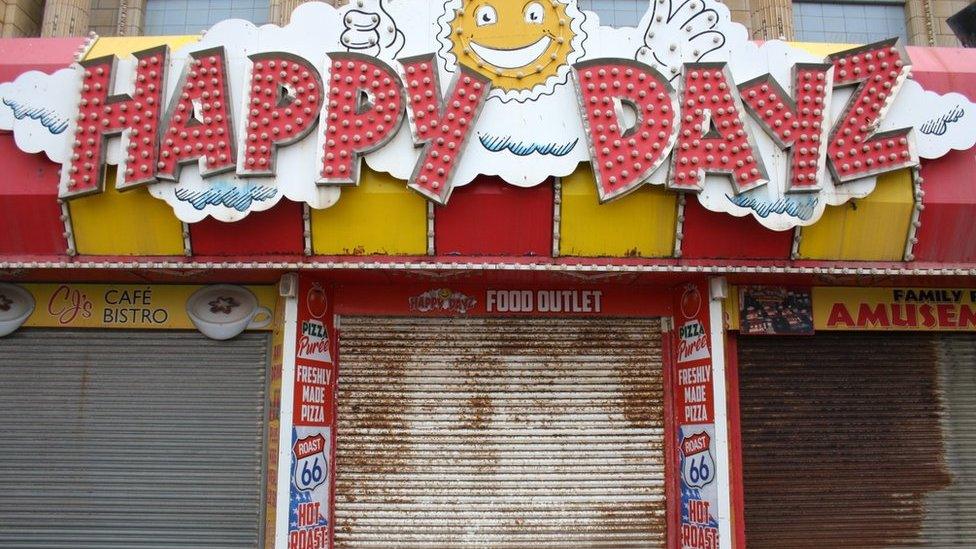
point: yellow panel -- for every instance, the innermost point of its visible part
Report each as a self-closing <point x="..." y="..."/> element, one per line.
<point x="126" y="45"/>
<point x="822" y="49"/>
<point x="730" y="308"/>
<point x="640" y="224"/>
<point x="131" y="306"/>
<point x="869" y="229"/>
<point x="380" y="216"/>
<point x="128" y="223"/>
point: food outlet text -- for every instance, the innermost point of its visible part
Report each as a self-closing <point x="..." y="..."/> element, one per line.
<point x="544" y="301"/>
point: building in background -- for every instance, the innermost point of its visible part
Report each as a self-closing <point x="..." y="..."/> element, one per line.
<point x="919" y="22"/>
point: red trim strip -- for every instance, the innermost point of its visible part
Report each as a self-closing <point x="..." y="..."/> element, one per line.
<point x="735" y="439"/>
<point x="467" y="262"/>
<point x="671" y="498"/>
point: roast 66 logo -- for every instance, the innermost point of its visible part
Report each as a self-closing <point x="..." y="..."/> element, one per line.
<point x="311" y="465"/>
<point x="697" y="467"/>
<point x="442" y="299"/>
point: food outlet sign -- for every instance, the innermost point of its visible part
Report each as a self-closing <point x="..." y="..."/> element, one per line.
<point x="249" y="115"/>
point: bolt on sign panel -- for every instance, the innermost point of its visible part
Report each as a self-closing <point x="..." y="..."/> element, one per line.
<point x="500" y="432"/>
<point x="441" y="96"/>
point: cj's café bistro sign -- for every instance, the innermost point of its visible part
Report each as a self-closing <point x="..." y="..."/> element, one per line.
<point x="525" y="91"/>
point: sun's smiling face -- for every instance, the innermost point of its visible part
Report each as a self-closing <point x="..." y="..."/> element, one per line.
<point x="518" y="45"/>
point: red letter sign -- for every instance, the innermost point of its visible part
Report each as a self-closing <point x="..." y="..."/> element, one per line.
<point x="442" y="125"/>
<point x="623" y="157"/>
<point x="101" y="115"/>
<point x="713" y="137"/>
<point x="797" y="125"/>
<point x="199" y="125"/>
<point x="284" y="107"/>
<point x="364" y="112"/>
<point x="855" y="149"/>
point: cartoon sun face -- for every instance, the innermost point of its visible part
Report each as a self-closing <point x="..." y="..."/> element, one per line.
<point x="517" y="44"/>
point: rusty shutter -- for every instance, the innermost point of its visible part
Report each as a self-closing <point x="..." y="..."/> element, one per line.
<point x="950" y="519"/>
<point x="131" y="439"/>
<point x="859" y="440"/>
<point x="500" y="433"/>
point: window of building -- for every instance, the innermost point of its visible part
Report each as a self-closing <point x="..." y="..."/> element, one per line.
<point x="616" y="13"/>
<point x="193" y="16"/>
<point x="848" y="23"/>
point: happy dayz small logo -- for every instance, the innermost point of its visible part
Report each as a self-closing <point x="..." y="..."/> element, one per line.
<point x="442" y="299"/>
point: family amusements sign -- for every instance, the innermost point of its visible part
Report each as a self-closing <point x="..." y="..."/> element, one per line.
<point x="249" y="115"/>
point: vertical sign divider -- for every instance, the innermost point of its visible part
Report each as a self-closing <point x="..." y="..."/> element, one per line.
<point x="286" y="419"/>
<point x="716" y="310"/>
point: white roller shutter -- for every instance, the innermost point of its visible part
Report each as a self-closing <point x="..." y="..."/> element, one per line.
<point x="131" y="439"/>
<point x="500" y="433"/>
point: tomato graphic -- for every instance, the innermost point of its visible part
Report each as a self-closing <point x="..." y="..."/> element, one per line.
<point x="690" y="302"/>
<point x="316" y="301"/>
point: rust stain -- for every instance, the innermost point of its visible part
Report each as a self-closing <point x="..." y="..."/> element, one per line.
<point x="636" y="384"/>
<point x="479" y="412"/>
<point x="477" y="370"/>
<point x="388" y="450"/>
<point x="633" y="252"/>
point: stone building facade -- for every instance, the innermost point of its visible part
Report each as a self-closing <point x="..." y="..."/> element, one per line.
<point x="924" y="19"/>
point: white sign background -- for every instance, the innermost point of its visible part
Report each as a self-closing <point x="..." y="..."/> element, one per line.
<point x="524" y="137"/>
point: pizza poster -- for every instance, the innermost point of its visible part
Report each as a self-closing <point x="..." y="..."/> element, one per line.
<point x="694" y="414"/>
<point x="310" y="514"/>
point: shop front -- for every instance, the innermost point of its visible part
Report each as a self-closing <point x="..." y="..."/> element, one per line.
<point x="503" y="413"/>
<point x="865" y="399"/>
<point x="347" y="283"/>
<point x="116" y="409"/>
<point x="411" y="413"/>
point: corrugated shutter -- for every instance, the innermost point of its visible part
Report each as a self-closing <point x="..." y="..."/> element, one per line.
<point x="500" y="433"/>
<point x="843" y="440"/>
<point x="950" y="519"/>
<point x="131" y="439"/>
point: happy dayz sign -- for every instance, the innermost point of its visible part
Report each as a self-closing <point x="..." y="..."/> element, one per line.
<point x="438" y="93"/>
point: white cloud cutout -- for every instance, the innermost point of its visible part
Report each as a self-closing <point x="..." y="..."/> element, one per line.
<point x="39" y="108"/>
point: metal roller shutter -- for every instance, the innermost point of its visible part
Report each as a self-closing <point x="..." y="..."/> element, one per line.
<point x="500" y="433"/>
<point x="950" y="519"/>
<point x="131" y="439"/>
<point x="859" y="440"/>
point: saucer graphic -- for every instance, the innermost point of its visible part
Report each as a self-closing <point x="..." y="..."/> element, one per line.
<point x="16" y="305"/>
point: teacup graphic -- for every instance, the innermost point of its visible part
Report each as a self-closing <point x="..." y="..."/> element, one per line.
<point x="16" y="304"/>
<point x="223" y="311"/>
